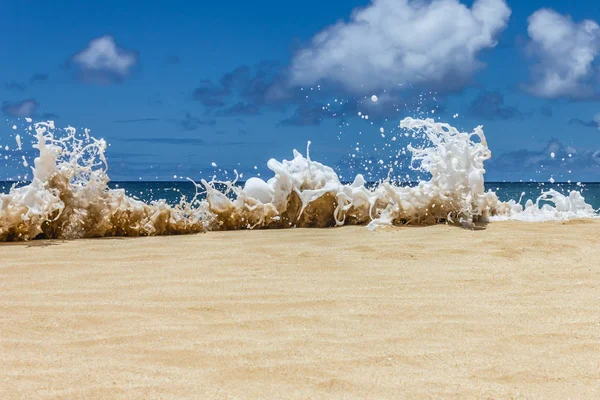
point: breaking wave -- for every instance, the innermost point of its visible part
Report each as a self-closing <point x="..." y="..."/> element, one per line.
<point x="68" y="196"/>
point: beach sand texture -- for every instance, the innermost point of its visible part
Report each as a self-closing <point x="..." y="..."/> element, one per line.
<point x="511" y="311"/>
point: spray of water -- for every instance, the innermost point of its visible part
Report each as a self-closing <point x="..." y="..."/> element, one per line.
<point x="68" y="196"/>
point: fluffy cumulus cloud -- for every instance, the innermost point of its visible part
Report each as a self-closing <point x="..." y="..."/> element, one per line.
<point x="593" y="123"/>
<point x="409" y="42"/>
<point x="103" y="61"/>
<point x="25" y="108"/>
<point x="564" y="52"/>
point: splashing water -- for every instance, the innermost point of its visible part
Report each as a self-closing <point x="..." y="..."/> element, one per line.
<point x="69" y="196"/>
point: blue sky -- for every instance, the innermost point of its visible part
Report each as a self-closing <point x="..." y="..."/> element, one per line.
<point x="174" y="86"/>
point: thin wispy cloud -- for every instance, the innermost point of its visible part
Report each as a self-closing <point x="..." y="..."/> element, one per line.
<point x="546" y="111"/>
<point x="39" y="78"/>
<point x="50" y="116"/>
<point x="166" y="140"/>
<point x="555" y="158"/>
<point x="490" y="105"/>
<point x="136" y="120"/>
<point x="190" y="122"/>
<point x="593" y="123"/>
<point x="15" y="86"/>
<point x="24" y="108"/>
<point x="243" y="91"/>
<point x="239" y="108"/>
<point x="173" y="60"/>
<point x="21" y="86"/>
<point x="183" y="141"/>
<point x="308" y="114"/>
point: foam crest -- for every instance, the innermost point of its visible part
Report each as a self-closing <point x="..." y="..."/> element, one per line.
<point x="305" y="193"/>
<point x="549" y="206"/>
<point x="69" y="198"/>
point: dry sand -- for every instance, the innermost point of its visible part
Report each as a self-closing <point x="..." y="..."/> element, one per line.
<point x="512" y="311"/>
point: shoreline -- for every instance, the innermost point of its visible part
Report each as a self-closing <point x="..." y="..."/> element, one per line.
<point x="477" y="226"/>
<point x="416" y="312"/>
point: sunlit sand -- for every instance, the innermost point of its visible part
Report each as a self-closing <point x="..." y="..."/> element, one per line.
<point x="509" y="311"/>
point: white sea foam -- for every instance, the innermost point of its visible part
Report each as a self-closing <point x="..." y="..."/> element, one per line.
<point x="306" y="193"/>
<point x="549" y="206"/>
<point x="69" y="196"/>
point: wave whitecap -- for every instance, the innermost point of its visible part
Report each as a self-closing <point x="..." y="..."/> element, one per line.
<point x="69" y="197"/>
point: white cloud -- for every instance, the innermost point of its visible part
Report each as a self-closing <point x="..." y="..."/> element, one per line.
<point x="25" y="108"/>
<point x="392" y="42"/>
<point x="103" y="56"/>
<point x="565" y="51"/>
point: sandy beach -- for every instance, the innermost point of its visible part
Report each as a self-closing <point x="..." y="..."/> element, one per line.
<point x="509" y="311"/>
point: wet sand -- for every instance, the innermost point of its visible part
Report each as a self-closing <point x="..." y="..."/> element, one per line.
<point x="512" y="311"/>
